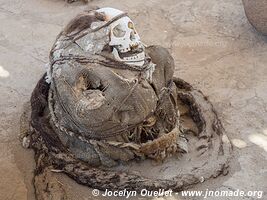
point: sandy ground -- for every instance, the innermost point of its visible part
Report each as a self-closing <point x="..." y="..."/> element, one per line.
<point x="214" y="47"/>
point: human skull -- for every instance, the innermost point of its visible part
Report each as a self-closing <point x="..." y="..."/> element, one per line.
<point x="124" y="39"/>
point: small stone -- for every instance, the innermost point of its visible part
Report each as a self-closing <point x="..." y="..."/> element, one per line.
<point x="202" y="179"/>
<point x="26" y="142"/>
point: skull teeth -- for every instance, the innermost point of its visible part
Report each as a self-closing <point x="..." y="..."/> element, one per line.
<point x="131" y="58"/>
<point x="137" y="59"/>
<point x="124" y="50"/>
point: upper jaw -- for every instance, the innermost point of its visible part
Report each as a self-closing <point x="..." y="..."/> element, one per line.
<point x="133" y="45"/>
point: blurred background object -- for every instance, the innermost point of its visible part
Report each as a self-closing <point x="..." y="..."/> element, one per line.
<point x="256" y="11"/>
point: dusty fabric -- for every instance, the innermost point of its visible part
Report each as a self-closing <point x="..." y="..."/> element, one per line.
<point x="130" y="110"/>
<point x="94" y="117"/>
<point x="93" y="97"/>
<point x="208" y="157"/>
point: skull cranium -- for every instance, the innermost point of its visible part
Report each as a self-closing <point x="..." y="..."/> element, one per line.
<point x="124" y="39"/>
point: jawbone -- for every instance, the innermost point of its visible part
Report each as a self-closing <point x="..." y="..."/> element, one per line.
<point x="137" y="59"/>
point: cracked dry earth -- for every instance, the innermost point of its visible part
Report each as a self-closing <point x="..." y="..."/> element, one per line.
<point x="214" y="47"/>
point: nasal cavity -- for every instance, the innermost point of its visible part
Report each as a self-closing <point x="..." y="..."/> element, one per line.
<point x="132" y="36"/>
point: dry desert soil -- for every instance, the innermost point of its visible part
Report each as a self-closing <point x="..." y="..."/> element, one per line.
<point x="214" y="47"/>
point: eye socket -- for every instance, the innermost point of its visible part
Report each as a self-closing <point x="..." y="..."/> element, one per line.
<point x="131" y="26"/>
<point x="118" y="32"/>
